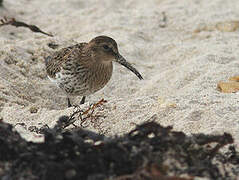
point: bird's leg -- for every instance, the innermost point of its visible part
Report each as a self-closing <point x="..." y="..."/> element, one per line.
<point x="82" y="100"/>
<point x="69" y="102"/>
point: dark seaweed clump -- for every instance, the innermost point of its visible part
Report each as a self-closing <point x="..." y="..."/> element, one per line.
<point x="150" y="151"/>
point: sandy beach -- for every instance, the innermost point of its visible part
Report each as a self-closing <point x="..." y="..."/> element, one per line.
<point x="183" y="49"/>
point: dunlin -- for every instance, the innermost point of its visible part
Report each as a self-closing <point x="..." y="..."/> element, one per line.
<point x="85" y="68"/>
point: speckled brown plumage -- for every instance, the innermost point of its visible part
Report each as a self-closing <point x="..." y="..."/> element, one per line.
<point x="85" y="68"/>
<point x="60" y="57"/>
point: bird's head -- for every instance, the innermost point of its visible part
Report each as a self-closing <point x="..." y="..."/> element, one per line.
<point x="105" y="50"/>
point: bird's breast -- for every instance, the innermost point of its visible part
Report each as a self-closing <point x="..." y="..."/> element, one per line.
<point x="81" y="80"/>
<point x="99" y="76"/>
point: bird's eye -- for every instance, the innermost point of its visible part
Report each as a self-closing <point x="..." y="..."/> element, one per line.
<point x="106" y="47"/>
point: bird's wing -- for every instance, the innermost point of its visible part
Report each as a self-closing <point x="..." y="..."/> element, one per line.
<point x="53" y="63"/>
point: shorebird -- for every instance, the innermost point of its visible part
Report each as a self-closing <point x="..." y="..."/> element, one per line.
<point x="84" y="68"/>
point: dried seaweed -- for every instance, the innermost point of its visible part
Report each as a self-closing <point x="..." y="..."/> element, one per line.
<point x="150" y="151"/>
<point x="82" y="115"/>
<point x="150" y="171"/>
<point x="5" y="21"/>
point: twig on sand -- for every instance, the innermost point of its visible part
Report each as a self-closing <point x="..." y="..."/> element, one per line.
<point x="15" y="23"/>
<point x="66" y="121"/>
<point x="90" y="113"/>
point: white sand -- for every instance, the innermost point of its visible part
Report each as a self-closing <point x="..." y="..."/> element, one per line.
<point x="181" y="66"/>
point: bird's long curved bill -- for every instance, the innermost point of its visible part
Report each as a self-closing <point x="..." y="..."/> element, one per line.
<point x="121" y="60"/>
